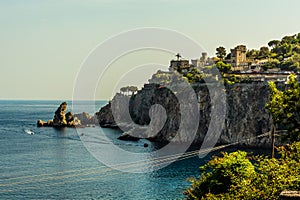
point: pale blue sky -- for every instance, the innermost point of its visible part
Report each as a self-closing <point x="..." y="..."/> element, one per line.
<point x="44" y="42"/>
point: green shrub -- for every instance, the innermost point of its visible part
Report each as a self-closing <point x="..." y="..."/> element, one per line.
<point x="284" y="107"/>
<point x="233" y="176"/>
<point x="222" y="173"/>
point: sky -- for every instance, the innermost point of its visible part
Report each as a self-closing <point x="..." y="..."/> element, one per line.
<point x="43" y="43"/>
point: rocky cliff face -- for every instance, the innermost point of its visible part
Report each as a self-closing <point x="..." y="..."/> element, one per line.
<point x="246" y="115"/>
<point x="105" y="117"/>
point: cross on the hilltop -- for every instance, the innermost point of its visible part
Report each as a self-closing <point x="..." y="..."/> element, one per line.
<point x="178" y="56"/>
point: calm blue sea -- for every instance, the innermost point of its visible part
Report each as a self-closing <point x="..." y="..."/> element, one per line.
<point x="54" y="164"/>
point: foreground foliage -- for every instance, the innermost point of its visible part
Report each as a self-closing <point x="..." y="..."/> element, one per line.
<point x="236" y="176"/>
<point x="285" y="108"/>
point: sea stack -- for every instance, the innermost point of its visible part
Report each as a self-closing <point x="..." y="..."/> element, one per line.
<point x="61" y="119"/>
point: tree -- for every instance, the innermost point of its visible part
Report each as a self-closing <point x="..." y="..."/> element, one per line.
<point x="287" y="52"/>
<point x="284" y="49"/>
<point x="272" y="63"/>
<point x="194" y="76"/>
<point x="132" y="89"/>
<point x="264" y="52"/>
<point x="274" y="43"/>
<point x="252" y="54"/>
<point x="221" y="52"/>
<point x="127" y="89"/>
<point x="296" y="49"/>
<point x="289" y="39"/>
<point x="123" y="90"/>
<point x="223" y="68"/>
<point x="228" y="57"/>
<point x="236" y="176"/>
<point x="298" y="37"/>
<point x="220" y="174"/>
<point x="291" y="64"/>
<point x="284" y="107"/>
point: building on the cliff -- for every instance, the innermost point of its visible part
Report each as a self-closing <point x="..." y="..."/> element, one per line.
<point x="202" y="62"/>
<point x="151" y="86"/>
<point x="196" y="63"/>
<point x="204" y="58"/>
<point x="256" y="65"/>
<point x="238" y="58"/>
<point x="180" y="65"/>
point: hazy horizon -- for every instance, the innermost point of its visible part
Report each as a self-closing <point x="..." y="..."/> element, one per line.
<point x="44" y="43"/>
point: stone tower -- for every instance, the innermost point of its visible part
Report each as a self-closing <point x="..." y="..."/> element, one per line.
<point x="238" y="58"/>
<point x="204" y="57"/>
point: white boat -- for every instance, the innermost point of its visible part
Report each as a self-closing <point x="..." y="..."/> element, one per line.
<point x="28" y="131"/>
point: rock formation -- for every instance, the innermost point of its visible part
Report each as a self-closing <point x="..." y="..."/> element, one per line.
<point x="86" y="118"/>
<point x="61" y="119"/>
<point x="246" y="115"/>
<point x="41" y="123"/>
<point x="105" y="117"/>
<point x="72" y="120"/>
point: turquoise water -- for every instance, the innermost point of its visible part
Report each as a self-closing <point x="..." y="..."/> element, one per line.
<point x="55" y="164"/>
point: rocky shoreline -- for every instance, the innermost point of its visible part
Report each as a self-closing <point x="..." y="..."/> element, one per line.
<point x="246" y="115"/>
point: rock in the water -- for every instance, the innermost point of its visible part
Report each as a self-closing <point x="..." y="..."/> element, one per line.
<point x="72" y="120"/>
<point x="41" y="123"/>
<point x="127" y="137"/>
<point x="50" y="123"/>
<point x="69" y="117"/>
<point x="59" y="119"/>
<point x="85" y="118"/>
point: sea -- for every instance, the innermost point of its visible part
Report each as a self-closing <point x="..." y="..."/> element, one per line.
<point x="48" y="163"/>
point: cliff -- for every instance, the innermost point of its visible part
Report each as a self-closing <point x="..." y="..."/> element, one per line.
<point x="246" y="116"/>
